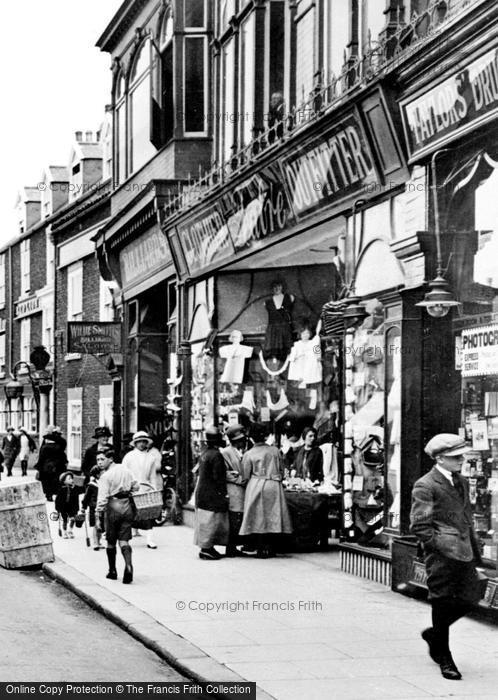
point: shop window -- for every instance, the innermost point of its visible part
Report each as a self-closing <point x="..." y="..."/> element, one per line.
<point x="2" y="280"/>
<point x="15" y="418"/>
<point x="141" y="148"/>
<point x="4" y="415"/>
<point x="75" y="292"/>
<point x="486" y="223"/>
<point x="25" y="266"/>
<point x="74" y="423"/>
<point x="30" y="414"/>
<point x="195" y="62"/>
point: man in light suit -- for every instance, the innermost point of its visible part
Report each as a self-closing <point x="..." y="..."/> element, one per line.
<point x="236" y="485"/>
<point x="441" y="518"/>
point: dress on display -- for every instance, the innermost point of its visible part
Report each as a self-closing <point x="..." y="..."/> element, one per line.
<point x="305" y="361"/>
<point x="235" y="356"/>
<point x="278" y="336"/>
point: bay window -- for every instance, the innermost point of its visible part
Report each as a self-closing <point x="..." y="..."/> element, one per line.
<point x="120" y="129"/>
<point x="227" y="99"/>
<point x="141" y="148"/>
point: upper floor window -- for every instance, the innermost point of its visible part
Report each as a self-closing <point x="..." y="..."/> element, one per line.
<point x="305" y="50"/>
<point x="50" y="248"/>
<point x="227" y="99"/>
<point x="25" y="339"/>
<point x="141" y="148"/>
<point x="2" y="280"/>
<point x="106" y="302"/>
<point x="335" y="38"/>
<point x="120" y="128"/>
<point x="47" y="327"/>
<point x="194" y="14"/>
<point x="25" y="266"/>
<point x="75" y="292"/>
<point x="227" y="10"/>
<point x="372" y="21"/>
<point x="2" y="352"/>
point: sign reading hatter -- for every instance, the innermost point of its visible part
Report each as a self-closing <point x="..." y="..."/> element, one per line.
<point x="329" y="167"/>
<point x="479" y="348"/>
<point x="469" y="97"/>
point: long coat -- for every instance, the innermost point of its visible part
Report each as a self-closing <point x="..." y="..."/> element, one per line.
<point x="10" y="449"/>
<point x="265" y="507"/>
<point x="51" y="463"/>
<point x="442" y="520"/>
<point x="211" y="490"/>
<point x="236" y="483"/>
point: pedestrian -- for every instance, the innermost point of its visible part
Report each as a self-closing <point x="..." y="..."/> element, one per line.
<point x="441" y="518"/>
<point x="51" y="464"/>
<point x="90" y="500"/>
<point x="126" y="444"/>
<point x="309" y="460"/>
<point x="26" y="445"/>
<point x="56" y="432"/>
<point x="66" y="503"/>
<point x="144" y="462"/>
<point x="102" y="436"/>
<point x="114" y="503"/>
<point x="10" y="449"/>
<point x="265" y="509"/>
<point x="236" y="485"/>
<point x="211" y="498"/>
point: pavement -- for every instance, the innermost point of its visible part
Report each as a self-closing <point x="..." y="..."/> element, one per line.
<point x="296" y="624"/>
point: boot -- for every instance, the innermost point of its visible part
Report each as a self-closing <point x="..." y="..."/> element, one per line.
<point x="111" y="558"/>
<point x="24" y="467"/>
<point x="128" y="572"/>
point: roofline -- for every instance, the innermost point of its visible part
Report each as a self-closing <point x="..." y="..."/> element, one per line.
<point x="119" y="24"/>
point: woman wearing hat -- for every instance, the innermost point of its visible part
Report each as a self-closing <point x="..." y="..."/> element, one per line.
<point x="441" y="518"/>
<point x="211" y="499"/>
<point x="51" y="464"/>
<point x="102" y="436"/>
<point x="265" y="509"/>
<point x="144" y="462"/>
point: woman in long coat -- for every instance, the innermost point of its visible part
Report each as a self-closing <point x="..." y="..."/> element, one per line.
<point x="51" y="464"/>
<point x="211" y="500"/>
<point x="265" y="508"/>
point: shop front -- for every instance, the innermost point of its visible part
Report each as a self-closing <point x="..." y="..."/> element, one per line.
<point x="458" y="142"/>
<point x="260" y="259"/>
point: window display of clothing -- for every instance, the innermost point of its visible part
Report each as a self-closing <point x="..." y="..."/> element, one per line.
<point x="235" y="355"/>
<point x="305" y="361"/>
<point x="278" y="336"/>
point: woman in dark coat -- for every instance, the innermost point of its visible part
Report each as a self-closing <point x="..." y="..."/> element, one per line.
<point x="309" y="460"/>
<point x="211" y="499"/>
<point x="51" y="464"/>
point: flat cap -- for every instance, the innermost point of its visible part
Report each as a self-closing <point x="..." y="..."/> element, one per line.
<point x="446" y="445"/>
<point x="235" y="432"/>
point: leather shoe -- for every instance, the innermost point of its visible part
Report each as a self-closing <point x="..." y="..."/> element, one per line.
<point x="209" y="554"/>
<point x="428" y="636"/>
<point x="448" y="669"/>
<point x="113" y="575"/>
<point x="128" y="575"/>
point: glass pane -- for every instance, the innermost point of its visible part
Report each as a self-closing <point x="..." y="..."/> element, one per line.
<point x="141" y="148"/>
<point x="141" y="62"/>
<point x="247" y="87"/>
<point x="393" y="423"/>
<point x="194" y="84"/>
<point x="194" y="13"/>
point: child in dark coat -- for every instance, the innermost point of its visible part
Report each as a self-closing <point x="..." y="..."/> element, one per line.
<point x="67" y="503"/>
<point x="90" y="501"/>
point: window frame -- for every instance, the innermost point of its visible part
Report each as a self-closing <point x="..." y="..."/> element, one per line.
<point x="74" y="272"/>
<point x="25" y="339"/>
<point x="204" y="132"/>
<point x="73" y="448"/>
<point x="25" y="266"/>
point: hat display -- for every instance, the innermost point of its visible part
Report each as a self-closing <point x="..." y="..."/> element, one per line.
<point x="446" y="445"/>
<point x="142" y="435"/>
<point x="101" y="431"/>
<point x="235" y="432"/>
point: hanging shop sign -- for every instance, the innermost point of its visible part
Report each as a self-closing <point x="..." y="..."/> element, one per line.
<point x="250" y="211"/>
<point x="94" y="338"/>
<point x="466" y="99"/>
<point x="479" y="351"/>
<point x="333" y="165"/>
<point x="144" y="256"/>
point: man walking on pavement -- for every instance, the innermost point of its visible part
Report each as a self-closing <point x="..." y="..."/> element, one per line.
<point x="441" y="518"/>
<point x="144" y="462"/>
<point x="236" y="485"/>
<point x="10" y="449"/>
<point x="116" y="486"/>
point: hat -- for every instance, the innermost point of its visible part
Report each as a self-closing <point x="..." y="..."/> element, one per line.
<point x="446" y="445"/>
<point x="50" y="429"/>
<point x="11" y="427"/>
<point x="142" y="435"/>
<point x="101" y="431"/>
<point x="212" y="434"/>
<point x="235" y="432"/>
<point x="62" y="477"/>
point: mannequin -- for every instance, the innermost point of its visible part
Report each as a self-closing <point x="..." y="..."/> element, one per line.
<point x="305" y="359"/>
<point x="235" y="355"/>
<point x="278" y="336"/>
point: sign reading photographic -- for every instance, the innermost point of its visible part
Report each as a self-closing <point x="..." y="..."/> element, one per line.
<point x="465" y="99"/>
<point x="479" y="351"/>
<point x="93" y="338"/>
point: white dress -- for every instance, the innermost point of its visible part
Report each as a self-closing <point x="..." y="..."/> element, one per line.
<point x="235" y="355"/>
<point x="305" y="361"/>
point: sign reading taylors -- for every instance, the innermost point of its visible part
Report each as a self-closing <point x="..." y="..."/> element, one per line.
<point x="145" y="255"/>
<point x="331" y="166"/>
<point x="479" y="348"/>
<point x="94" y="338"/>
<point x="467" y="98"/>
<point x="254" y="209"/>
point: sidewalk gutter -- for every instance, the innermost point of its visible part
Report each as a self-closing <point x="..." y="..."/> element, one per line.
<point x="182" y="655"/>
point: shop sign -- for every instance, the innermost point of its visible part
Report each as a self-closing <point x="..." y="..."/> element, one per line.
<point x="245" y="214"/>
<point x="27" y="307"/>
<point x="480" y="351"/>
<point x="468" y="98"/>
<point x="142" y="257"/>
<point x="331" y="166"/>
<point x="94" y="338"/>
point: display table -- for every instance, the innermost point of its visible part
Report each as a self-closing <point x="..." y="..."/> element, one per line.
<point x="313" y="516"/>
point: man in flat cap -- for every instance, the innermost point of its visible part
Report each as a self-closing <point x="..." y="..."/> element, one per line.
<point x="441" y="518"/>
<point x="236" y="485"/>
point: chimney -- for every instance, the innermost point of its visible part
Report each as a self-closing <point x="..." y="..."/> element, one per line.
<point x="78" y="135"/>
<point x="89" y="135"/>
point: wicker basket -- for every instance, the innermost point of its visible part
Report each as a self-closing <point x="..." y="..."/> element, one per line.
<point x="148" y="504"/>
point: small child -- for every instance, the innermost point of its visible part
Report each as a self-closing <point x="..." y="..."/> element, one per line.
<point x="90" y="501"/>
<point x="66" y="503"/>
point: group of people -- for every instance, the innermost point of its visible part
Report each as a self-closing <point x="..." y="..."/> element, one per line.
<point x="16" y="444"/>
<point x="239" y="496"/>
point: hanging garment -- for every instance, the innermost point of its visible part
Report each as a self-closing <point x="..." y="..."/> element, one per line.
<point x="235" y="355"/>
<point x="305" y="361"/>
<point x="278" y="336"/>
<point x="278" y="405"/>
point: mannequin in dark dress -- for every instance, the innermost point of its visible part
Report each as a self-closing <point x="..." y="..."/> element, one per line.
<point x="278" y="336"/>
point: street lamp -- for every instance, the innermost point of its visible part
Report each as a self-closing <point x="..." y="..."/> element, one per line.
<point x="40" y="379"/>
